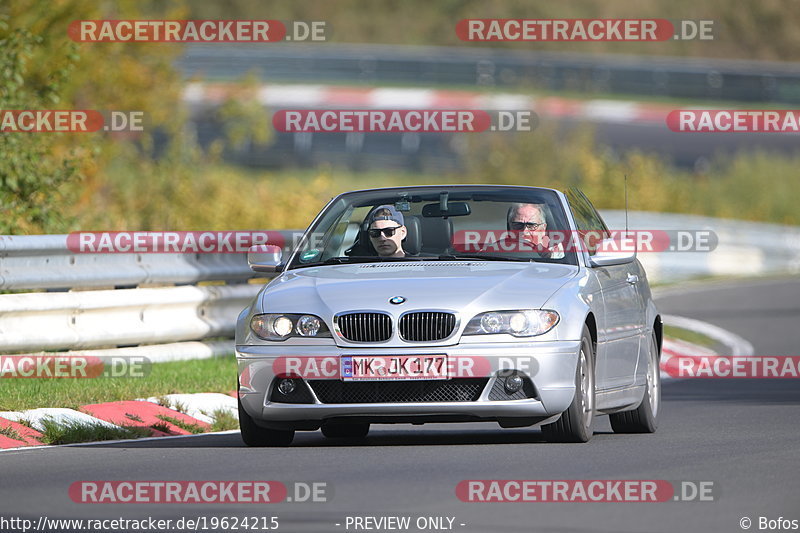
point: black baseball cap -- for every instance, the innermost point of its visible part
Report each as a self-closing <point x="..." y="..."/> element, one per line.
<point x="393" y="214"/>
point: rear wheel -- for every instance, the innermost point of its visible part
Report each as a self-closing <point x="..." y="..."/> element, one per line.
<point x="643" y="419"/>
<point x="345" y="431"/>
<point x="575" y="424"/>
<point x="255" y="435"/>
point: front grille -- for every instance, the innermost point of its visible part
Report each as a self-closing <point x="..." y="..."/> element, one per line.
<point x="365" y="327"/>
<point x="454" y="390"/>
<point x="427" y="326"/>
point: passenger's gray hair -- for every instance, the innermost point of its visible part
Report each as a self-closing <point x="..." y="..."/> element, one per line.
<point x="519" y="205"/>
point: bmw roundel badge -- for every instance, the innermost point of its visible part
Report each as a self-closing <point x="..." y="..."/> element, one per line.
<point x="397" y="300"/>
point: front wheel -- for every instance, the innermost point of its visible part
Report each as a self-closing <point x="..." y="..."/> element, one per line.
<point x="643" y="419"/>
<point x="575" y="424"/>
<point x="255" y="435"/>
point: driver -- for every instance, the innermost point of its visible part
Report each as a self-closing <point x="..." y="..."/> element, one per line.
<point x="386" y="231"/>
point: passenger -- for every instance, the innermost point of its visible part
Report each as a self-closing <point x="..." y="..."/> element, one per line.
<point x="530" y="219"/>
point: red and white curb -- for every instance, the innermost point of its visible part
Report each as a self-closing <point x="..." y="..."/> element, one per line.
<point x="59" y="415"/>
<point x="196" y="412"/>
<point x="327" y="96"/>
<point x="734" y="344"/>
<point x="678" y="348"/>
<point x="201" y="406"/>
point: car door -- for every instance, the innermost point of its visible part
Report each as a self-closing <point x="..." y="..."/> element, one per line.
<point x="620" y="327"/>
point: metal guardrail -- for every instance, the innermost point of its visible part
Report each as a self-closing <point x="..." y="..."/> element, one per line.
<point x="45" y="262"/>
<point x="122" y="310"/>
<point x="92" y="319"/>
<point x="747" y="81"/>
<point x="743" y="249"/>
<point x="177" y="317"/>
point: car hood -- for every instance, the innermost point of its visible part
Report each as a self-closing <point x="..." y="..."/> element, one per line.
<point x="452" y="285"/>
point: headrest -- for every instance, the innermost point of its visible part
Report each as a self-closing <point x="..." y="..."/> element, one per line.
<point x="437" y="235"/>
<point x="412" y="244"/>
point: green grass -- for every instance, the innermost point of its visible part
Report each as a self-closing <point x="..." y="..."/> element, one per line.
<point x="203" y="375"/>
<point x="162" y="427"/>
<point x="689" y="336"/>
<point x="11" y="433"/>
<point x="68" y="433"/>
<point x="191" y="428"/>
<point x="224" y="420"/>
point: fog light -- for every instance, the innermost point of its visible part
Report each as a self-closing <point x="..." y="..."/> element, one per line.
<point x="513" y="383"/>
<point x="286" y="386"/>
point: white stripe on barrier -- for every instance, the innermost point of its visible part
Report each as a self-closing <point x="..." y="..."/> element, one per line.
<point x="399" y="98"/>
<point x="91" y="319"/>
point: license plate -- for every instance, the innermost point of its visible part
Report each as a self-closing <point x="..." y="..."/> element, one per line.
<point x="393" y="367"/>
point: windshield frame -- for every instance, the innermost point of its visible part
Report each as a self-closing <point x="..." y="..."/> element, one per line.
<point x="348" y="201"/>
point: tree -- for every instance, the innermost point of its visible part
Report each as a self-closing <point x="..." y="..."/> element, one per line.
<point x="41" y="68"/>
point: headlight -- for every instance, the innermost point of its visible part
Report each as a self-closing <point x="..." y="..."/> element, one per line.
<point x="282" y="326"/>
<point x="521" y="323"/>
<point x="308" y="326"/>
<point x="278" y="327"/>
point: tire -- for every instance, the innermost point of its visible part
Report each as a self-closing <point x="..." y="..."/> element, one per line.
<point x="254" y="435"/>
<point x="643" y="419"/>
<point x="575" y="424"/>
<point x="345" y="431"/>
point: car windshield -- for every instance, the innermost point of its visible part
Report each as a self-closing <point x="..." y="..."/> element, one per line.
<point x="438" y="223"/>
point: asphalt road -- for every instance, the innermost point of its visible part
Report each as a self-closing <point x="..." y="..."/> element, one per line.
<point x="739" y="434"/>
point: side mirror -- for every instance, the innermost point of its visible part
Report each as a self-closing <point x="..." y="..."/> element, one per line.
<point x="264" y="257"/>
<point x="612" y="252"/>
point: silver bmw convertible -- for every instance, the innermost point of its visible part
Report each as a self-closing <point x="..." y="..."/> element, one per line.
<point x="452" y="303"/>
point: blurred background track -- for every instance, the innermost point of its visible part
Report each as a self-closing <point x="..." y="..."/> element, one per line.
<point x="566" y="89"/>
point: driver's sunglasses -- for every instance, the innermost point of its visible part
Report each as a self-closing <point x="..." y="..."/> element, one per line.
<point x="387" y="232"/>
<point x="526" y="225"/>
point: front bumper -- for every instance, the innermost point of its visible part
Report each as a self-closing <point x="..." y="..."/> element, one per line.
<point x="550" y="365"/>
